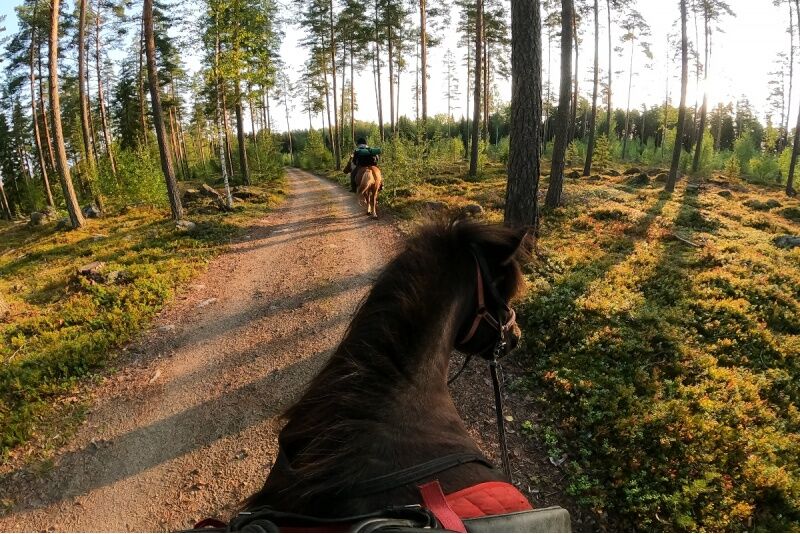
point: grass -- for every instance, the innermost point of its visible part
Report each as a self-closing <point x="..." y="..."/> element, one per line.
<point x="65" y="328"/>
<point x="669" y="373"/>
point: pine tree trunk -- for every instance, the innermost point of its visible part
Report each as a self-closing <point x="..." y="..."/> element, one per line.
<point x="555" y="187"/>
<point x="698" y="150"/>
<point x="226" y="126"/>
<point x="158" y="117"/>
<point x="241" y="139"/>
<point x="344" y="95"/>
<point x="253" y="126"/>
<point x="392" y="118"/>
<point x="628" y="106"/>
<point x="610" y="70"/>
<point x="101" y="98"/>
<point x="173" y="134"/>
<point x="4" y="205"/>
<point x="328" y="104"/>
<point x="466" y="113"/>
<point x="790" y="191"/>
<point x="485" y="127"/>
<point x="35" y="116"/>
<point x="337" y="152"/>
<point x="352" y="100"/>
<point x="46" y="120"/>
<point x="574" y="107"/>
<point x="221" y="129"/>
<point x="546" y="110"/>
<point x="75" y="214"/>
<point x="676" y="153"/>
<point x="587" y="167"/>
<point x="87" y="142"/>
<point x="377" y="65"/>
<point x="791" y="73"/>
<point x="476" y="121"/>
<point x="666" y="106"/>
<point x="423" y="50"/>
<point x="141" y="76"/>
<point x="266" y="110"/>
<point x="526" y="114"/>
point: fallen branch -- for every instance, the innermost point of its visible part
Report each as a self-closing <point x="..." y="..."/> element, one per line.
<point x="684" y="240"/>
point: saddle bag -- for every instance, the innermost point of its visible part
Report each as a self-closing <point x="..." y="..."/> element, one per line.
<point x="400" y="519"/>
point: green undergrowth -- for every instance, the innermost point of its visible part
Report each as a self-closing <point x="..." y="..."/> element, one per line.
<point x="662" y="343"/>
<point x="63" y="328"/>
<point x="667" y="370"/>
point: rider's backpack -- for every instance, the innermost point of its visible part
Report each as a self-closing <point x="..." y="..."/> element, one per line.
<point x="367" y="156"/>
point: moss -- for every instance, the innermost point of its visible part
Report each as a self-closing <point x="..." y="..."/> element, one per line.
<point x="63" y="327"/>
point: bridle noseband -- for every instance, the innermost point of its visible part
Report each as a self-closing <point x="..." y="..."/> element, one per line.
<point x="483" y="315"/>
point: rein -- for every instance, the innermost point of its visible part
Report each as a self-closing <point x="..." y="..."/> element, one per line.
<point x="483" y="315"/>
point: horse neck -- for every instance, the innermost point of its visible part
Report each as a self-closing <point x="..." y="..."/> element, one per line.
<point x="389" y="375"/>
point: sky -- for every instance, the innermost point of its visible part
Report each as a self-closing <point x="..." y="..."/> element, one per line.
<point x="742" y="58"/>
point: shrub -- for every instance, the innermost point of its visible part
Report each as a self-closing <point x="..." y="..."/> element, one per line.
<point x="139" y="179"/>
<point x="315" y="156"/>
<point x="765" y="168"/>
<point x="602" y="153"/>
<point x="744" y="150"/>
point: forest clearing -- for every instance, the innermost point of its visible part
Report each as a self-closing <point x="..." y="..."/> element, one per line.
<point x="182" y="267"/>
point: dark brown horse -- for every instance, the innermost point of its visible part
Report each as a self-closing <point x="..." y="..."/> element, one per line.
<point x="381" y="405"/>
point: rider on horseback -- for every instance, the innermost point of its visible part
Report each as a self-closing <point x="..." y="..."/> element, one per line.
<point x="360" y="161"/>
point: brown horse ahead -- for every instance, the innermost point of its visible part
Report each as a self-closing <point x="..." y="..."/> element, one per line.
<point x="381" y="405"/>
<point x="369" y="182"/>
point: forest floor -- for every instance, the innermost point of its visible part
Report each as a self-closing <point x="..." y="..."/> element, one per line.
<point x="187" y="427"/>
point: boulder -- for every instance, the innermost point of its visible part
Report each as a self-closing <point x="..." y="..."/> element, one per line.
<point x="574" y="174"/>
<point x="93" y="271"/>
<point x="38" y="218"/>
<point x="640" y="179"/>
<point x="472" y="210"/>
<point x="434" y="205"/>
<point x="725" y="193"/>
<point x="656" y="172"/>
<point x="614" y="172"/>
<point x="119" y="277"/>
<point x="760" y="205"/>
<point x="190" y="195"/>
<point x="221" y="204"/>
<point x="633" y="170"/>
<point x="208" y="191"/>
<point x="595" y="177"/>
<point x="92" y="212"/>
<point x="661" y="177"/>
<point x="64" y="224"/>
<point x="244" y="193"/>
<point x="185" y="226"/>
<point x="787" y="241"/>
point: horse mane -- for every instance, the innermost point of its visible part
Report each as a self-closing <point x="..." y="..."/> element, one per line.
<point x="343" y="415"/>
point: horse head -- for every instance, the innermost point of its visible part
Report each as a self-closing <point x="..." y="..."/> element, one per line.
<point x="381" y="405"/>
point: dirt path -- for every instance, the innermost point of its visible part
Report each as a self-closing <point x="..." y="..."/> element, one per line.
<point x="188" y="427"/>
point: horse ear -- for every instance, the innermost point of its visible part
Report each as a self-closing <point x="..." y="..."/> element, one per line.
<point x="504" y="245"/>
<point x="519" y="245"/>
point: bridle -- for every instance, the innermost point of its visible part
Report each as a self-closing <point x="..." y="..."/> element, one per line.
<point x="483" y="315"/>
<point x="497" y="346"/>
